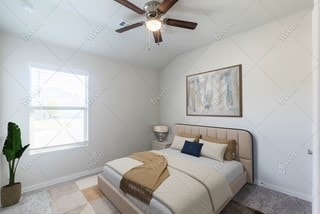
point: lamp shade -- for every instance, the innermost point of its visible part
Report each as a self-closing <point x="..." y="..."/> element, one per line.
<point x="161" y="129"/>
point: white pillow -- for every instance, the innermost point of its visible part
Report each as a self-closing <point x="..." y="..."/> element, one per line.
<point x="178" y="142"/>
<point x="213" y="150"/>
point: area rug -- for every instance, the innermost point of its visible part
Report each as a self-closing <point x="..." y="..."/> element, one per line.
<point x="83" y="196"/>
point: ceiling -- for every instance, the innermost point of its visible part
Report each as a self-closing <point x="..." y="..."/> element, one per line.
<point x="89" y="25"/>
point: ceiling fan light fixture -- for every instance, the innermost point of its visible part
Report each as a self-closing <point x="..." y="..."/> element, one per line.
<point x="154" y="24"/>
<point x="154" y="10"/>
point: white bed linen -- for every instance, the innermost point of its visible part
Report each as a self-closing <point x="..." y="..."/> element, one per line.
<point x="230" y="169"/>
<point x="155" y="206"/>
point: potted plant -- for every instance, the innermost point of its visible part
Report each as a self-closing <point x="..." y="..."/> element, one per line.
<point x="13" y="150"/>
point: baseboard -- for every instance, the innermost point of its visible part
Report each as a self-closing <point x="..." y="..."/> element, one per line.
<point x="284" y="190"/>
<point x="61" y="180"/>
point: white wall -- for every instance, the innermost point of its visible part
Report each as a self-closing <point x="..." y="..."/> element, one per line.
<point x="316" y="107"/>
<point x="121" y="113"/>
<point x="277" y="101"/>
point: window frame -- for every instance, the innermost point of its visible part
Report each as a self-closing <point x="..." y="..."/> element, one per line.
<point x="32" y="108"/>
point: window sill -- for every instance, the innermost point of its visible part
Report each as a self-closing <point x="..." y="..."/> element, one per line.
<point x="58" y="148"/>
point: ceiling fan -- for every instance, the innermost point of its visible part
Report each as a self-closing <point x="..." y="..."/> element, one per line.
<point x="154" y="11"/>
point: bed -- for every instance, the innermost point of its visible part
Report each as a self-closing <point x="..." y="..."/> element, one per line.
<point x="237" y="173"/>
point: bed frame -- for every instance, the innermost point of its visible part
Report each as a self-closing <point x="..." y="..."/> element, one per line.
<point x="244" y="154"/>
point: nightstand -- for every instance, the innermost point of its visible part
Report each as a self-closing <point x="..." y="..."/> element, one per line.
<point x="156" y="145"/>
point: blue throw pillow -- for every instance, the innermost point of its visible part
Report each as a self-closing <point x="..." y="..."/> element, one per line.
<point x="192" y="148"/>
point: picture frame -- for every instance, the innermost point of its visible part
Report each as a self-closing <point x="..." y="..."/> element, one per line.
<point x="216" y="93"/>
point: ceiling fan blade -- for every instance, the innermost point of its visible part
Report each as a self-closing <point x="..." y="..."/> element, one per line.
<point x="166" y="5"/>
<point x="129" y="27"/>
<point x="157" y="36"/>
<point x="131" y="6"/>
<point x="180" y="23"/>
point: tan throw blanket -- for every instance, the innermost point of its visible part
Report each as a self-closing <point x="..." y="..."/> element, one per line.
<point x="142" y="181"/>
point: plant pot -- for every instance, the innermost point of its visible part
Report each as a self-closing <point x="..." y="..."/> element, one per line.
<point x="10" y="194"/>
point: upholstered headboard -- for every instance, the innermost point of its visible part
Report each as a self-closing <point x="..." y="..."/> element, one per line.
<point x="243" y="138"/>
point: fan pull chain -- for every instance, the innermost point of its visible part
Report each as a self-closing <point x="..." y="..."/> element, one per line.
<point x="149" y="48"/>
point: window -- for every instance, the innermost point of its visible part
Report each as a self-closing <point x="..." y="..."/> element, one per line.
<point x="58" y="115"/>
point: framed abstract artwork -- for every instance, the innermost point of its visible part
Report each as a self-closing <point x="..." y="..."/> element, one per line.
<point x="215" y="93"/>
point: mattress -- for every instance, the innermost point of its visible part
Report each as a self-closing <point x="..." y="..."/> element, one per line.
<point x="230" y="169"/>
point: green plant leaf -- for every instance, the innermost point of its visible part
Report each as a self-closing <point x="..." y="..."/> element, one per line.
<point x="8" y="153"/>
<point x="21" y="151"/>
<point x="13" y="141"/>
